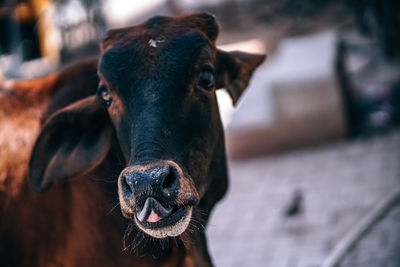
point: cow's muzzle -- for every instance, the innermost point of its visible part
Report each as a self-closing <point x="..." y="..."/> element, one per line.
<point x="158" y="196"/>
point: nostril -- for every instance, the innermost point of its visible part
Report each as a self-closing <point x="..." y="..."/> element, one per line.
<point x="126" y="185"/>
<point x="169" y="180"/>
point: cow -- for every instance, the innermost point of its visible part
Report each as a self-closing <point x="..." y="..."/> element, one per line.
<point x="137" y="128"/>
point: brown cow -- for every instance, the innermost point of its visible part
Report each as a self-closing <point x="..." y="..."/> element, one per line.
<point x="150" y="140"/>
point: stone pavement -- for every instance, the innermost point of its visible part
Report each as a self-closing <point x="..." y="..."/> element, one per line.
<point x="340" y="183"/>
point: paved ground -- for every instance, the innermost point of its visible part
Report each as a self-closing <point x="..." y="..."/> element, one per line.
<point x="380" y="247"/>
<point x="340" y="183"/>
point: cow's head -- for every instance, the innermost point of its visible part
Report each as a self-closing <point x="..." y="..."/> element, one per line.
<point x="157" y="97"/>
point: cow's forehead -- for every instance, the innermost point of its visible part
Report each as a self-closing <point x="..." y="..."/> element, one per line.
<point x="152" y="56"/>
<point x="153" y="32"/>
<point x="162" y="48"/>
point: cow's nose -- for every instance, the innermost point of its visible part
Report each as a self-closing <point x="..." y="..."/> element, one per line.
<point x="162" y="181"/>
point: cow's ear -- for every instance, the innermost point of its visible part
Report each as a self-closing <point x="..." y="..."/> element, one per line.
<point x="73" y="141"/>
<point x="234" y="70"/>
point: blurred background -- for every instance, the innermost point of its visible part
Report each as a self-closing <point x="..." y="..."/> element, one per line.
<point x="313" y="145"/>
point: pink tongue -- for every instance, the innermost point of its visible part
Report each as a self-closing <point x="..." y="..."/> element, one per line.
<point x="153" y="217"/>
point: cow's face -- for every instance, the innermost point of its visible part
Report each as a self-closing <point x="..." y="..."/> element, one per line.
<point x="157" y="94"/>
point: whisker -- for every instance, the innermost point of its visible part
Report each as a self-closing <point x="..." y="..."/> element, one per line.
<point x="113" y="208"/>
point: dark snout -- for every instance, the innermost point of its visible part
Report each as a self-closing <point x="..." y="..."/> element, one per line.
<point x="157" y="194"/>
<point x="160" y="181"/>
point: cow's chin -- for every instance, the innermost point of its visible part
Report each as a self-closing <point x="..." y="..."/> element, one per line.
<point x="171" y="230"/>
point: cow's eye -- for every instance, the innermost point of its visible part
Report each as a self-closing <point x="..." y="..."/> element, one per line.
<point x="105" y="94"/>
<point x="206" y="79"/>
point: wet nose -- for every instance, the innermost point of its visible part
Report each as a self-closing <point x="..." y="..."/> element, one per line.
<point x="162" y="181"/>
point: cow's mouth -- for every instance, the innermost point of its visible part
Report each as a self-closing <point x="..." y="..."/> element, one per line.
<point x="160" y="222"/>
